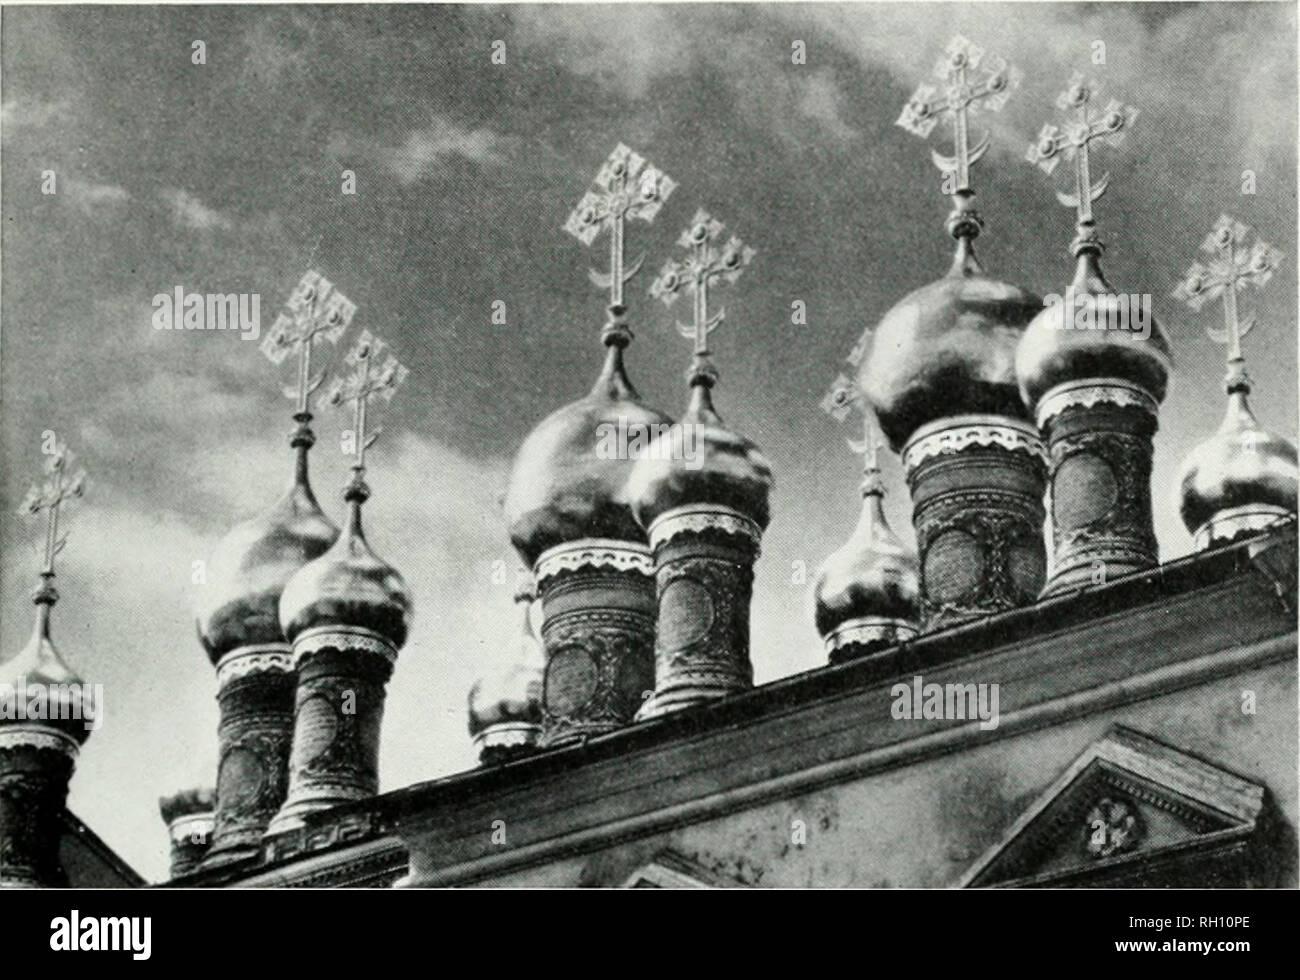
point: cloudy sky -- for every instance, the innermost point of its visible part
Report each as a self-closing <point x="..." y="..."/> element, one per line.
<point x="226" y="177"/>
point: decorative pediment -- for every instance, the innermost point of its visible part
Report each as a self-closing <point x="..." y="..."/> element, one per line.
<point x="670" y="870"/>
<point x="1131" y="811"/>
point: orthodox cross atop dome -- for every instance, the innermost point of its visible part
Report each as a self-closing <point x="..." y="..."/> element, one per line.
<point x="376" y="373"/>
<point x="63" y="481"/>
<point x="1071" y="141"/>
<point x="625" y="187"/>
<point x="1231" y="268"/>
<point x="971" y="81"/>
<point x="709" y="261"/>
<point x="315" y="310"/>
<point x="843" y="398"/>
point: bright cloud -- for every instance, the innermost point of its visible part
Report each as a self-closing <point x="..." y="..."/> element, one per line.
<point x="189" y="212"/>
<point x="93" y="198"/>
<point x="424" y="151"/>
<point x="31" y="114"/>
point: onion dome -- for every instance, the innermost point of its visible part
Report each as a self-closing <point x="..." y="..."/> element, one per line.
<point x="505" y="705"/>
<point x="868" y="591"/>
<point x="250" y="566"/>
<point x="189" y="814"/>
<point x="948" y="348"/>
<point x="701" y="461"/>
<point x="1241" y="479"/>
<point x="1092" y="332"/>
<point x="46" y="690"/>
<point x="565" y="484"/>
<point x="349" y="586"/>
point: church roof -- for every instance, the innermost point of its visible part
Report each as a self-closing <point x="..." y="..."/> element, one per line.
<point x="1214" y="613"/>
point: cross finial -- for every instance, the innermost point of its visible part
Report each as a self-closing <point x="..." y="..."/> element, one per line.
<point x="375" y="373"/>
<point x="315" y="309"/>
<point x="625" y="187"/>
<point x="971" y="81"/>
<point x="1231" y="267"/>
<point x="843" y="398"/>
<point x="62" y="481"/>
<point x="1071" y="141"/>
<point x="708" y="261"/>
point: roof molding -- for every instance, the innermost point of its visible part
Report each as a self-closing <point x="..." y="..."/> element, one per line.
<point x="1087" y="827"/>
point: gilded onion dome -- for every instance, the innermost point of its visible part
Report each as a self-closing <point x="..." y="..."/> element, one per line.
<point x="565" y="484"/>
<point x="1242" y="478"/>
<point x="948" y="348"/>
<point x="872" y="580"/>
<point x="701" y="461"/>
<point x="251" y="565"/>
<point x="1092" y="332"/>
<point x="349" y="585"/>
<point x="505" y="704"/>
<point x="52" y="694"/>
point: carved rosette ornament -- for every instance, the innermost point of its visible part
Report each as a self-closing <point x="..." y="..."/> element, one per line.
<point x="977" y="506"/>
<point x="598" y="635"/>
<point x="255" y="698"/>
<point x="1099" y="441"/>
<point x="1113" y="826"/>
<point x="36" y="764"/>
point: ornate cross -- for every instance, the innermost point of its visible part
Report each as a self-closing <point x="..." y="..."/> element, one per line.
<point x="363" y="384"/>
<point x="708" y="262"/>
<point x="316" y="309"/>
<point x="1231" y="268"/>
<point x="1071" y="142"/>
<point x="963" y="96"/>
<point x="624" y="188"/>
<point x="843" y="398"/>
<point x="63" y="481"/>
